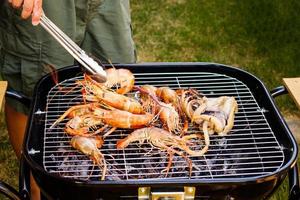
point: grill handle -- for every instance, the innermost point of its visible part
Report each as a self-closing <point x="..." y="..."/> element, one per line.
<point x="278" y="91"/>
<point x="18" y="96"/>
<point x="293" y="173"/>
<point x="145" y="193"/>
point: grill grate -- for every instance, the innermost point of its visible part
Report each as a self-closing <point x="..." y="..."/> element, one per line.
<point x="249" y="150"/>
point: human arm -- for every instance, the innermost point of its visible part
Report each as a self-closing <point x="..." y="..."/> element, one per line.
<point x="29" y="8"/>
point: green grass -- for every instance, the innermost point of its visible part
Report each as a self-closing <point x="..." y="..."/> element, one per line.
<point x="8" y="160"/>
<point x="262" y="37"/>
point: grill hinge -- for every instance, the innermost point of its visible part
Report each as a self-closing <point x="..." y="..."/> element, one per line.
<point x="145" y="193"/>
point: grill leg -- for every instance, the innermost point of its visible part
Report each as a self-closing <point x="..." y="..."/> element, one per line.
<point x="294" y="183"/>
<point x="24" y="179"/>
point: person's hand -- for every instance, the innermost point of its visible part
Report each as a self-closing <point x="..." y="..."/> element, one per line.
<point x="29" y="8"/>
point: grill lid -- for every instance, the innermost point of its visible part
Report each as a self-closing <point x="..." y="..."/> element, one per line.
<point x="249" y="150"/>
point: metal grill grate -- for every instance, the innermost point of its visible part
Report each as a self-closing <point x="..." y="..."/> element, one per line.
<point x="249" y="150"/>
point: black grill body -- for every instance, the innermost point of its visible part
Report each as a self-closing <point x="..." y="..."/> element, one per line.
<point x="256" y="187"/>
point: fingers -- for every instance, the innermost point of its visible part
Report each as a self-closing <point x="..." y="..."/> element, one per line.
<point x="30" y="7"/>
<point x="37" y="12"/>
<point x="27" y="9"/>
<point x="16" y="3"/>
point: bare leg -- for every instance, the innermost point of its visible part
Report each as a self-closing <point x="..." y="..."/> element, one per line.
<point x="35" y="190"/>
<point x="16" y="124"/>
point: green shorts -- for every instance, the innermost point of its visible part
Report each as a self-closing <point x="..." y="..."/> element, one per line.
<point x="101" y="27"/>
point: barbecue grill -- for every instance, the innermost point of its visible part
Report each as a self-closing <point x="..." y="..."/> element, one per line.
<point x="249" y="163"/>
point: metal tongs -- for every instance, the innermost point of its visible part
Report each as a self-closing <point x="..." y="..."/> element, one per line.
<point x="91" y="66"/>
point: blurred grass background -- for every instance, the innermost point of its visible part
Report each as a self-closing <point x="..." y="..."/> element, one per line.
<point x="262" y="37"/>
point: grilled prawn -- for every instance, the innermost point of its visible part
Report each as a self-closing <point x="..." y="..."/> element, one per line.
<point x="84" y="125"/>
<point x="123" y="119"/>
<point x="90" y="147"/>
<point x="169" y="116"/>
<point x="171" y="98"/>
<point x="168" y="95"/>
<point x="166" y="111"/>
<point x="161" y="139"/>
<point x="165" y="141"/>
<point x="95" y="92"/>
<point x="81" y="124"/>
<point x="74" y="111"/>
<point x="122" y="79"/>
